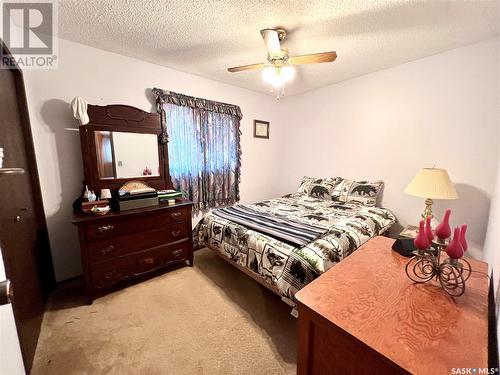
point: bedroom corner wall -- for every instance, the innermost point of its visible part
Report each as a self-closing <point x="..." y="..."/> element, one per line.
<point x="107" y="78"/>
<point x="442" y="110"/>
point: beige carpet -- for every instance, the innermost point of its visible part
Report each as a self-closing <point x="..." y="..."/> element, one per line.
<point x="210" y="319"/>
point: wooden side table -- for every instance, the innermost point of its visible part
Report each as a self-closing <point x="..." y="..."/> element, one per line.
<point x="365" y="315"/>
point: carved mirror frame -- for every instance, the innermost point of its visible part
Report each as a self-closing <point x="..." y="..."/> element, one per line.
<point x="121" y="118"/>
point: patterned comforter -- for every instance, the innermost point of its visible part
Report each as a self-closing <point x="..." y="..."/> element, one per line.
<point x="290" y="267"/>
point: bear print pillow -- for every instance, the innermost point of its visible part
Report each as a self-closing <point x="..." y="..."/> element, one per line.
<point x="320" y="188"/>
<point x="364" y="192"/>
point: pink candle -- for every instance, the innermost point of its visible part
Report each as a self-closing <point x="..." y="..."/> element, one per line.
<point x="463" y="241"/>
<point x="421" y="242"/>
<point x="443" y="230"/>
<point x="428" y="229"/>
<point x="454" y="249"/>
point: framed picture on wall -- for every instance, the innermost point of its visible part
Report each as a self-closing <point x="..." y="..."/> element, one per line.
<point x="260" y="129"/>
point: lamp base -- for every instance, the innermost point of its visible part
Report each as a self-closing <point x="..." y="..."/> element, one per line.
<point x="428" y="212"/>
<point x="428" y="209"/>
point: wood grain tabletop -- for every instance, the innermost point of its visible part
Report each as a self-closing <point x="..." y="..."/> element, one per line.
<point x="418" y="326"/>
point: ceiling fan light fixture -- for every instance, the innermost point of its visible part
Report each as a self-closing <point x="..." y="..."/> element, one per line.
<point x="277" y="76"/>
<point x="268" y="74"/>
<point x="280" y="66"/>
<point x="288" y="72"/>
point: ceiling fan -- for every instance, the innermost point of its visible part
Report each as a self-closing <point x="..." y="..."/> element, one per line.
<point x="281" y="66"/>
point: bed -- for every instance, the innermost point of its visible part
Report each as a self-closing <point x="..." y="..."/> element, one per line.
<point x="287" y="242"/>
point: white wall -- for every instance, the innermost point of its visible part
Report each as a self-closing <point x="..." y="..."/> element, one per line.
<point x="442" y="110"/>
<point x="106" y="78"/>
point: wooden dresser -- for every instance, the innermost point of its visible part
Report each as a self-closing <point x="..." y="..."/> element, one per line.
<point x="365" y="316"/>
<point x="126" y="244"/>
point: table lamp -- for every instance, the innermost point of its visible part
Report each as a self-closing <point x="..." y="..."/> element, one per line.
<point x="431" y="183"/>
<point x="105" y="194"/>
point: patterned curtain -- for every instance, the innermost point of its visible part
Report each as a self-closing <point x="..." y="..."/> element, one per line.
<point x="204" y="148"/>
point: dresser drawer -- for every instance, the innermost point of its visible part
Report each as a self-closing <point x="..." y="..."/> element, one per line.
<point x="110" y="272"/>
<point x="111" y="247"/>
<point x="130" y="224"/>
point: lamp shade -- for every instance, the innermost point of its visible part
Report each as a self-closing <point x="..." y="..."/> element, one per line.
<point x="433" y="183"/>
<point x="105" y="194"/>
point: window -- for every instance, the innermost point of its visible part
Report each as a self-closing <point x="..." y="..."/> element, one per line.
<point x="203" y="148"/>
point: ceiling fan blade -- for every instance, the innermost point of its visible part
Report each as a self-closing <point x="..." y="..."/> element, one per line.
<point x="272" y="41"/>
<point x="314" y="58"/>
<point x="245" y="67"/>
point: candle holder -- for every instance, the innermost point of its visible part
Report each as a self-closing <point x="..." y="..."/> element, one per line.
<point x="451" y="273"/>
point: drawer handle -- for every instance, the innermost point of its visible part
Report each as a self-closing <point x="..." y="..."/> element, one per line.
<point x="176" y="233"/>
<point x="176" y="214"/>
<point x="104" y="228"/>
<point x="110" y="274"/>
<point x="148" y="261"/>
<point x="107" y="250"/>
<point x="177" y="252"/>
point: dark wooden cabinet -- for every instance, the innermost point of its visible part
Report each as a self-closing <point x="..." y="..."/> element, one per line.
<point x="128" y="244"/>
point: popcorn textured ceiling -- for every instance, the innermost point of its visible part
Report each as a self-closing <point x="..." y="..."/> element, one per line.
<point x="206" y="37"/>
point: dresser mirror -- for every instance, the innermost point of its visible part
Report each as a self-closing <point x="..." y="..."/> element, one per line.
<point x="126" y="155"/>
<point x="122" y="143"/>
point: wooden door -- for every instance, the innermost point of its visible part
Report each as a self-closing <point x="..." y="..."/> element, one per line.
<point x="23" y="230"/>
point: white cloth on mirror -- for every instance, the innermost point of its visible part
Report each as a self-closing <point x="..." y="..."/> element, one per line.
<point x="79" y="107"/>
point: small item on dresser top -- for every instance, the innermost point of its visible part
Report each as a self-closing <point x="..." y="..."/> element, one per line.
<point x="128" y="197"/>
<point x="167" y="191"/>
<point x="170" y="192"/>
<point x="136" y="191"/>
<point x="136" y="194"/>
<point x="105" y="194"/>
<point x="166" y="196"/>
<point x="88" y="206"/>
<point x="1" y="157"/>
<point x="86" y="193"/>
<point x="134" y="187"/>
<point x="100" y="211"/>
<point x="426" y="264"/>
<point x="92" y="196"/>
<point x="141" y="191"/>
